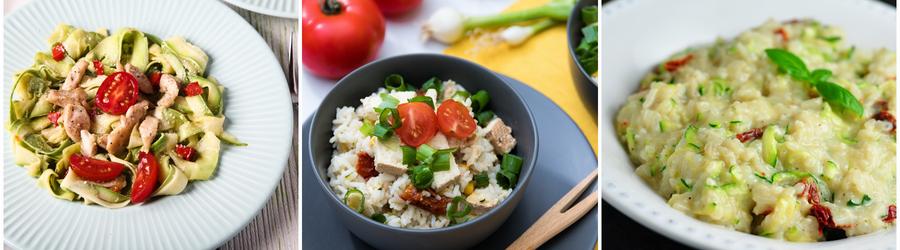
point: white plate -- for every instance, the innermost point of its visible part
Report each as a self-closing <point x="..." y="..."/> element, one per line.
<point x="279" y="8"/>
<point x="257" y="108"/>
<point x="639" y="34"/>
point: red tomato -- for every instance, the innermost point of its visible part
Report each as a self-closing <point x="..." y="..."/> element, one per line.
<point x="418" y="123"/>
<point x="145" y="178"/>
<point x="54" y="118"/>
<point x="393" y="8"/>
<point x="154" y="78"/>
<point x="185" y="152"/>
<point x="192" y="89"/>
<point x="98" y="67"/>
<point x="340" y="35"/>
<point x="454" y="120"/>
<point x="59" y="52"/>
<point x="93" y="169"/>
<point x="117" y="93"/>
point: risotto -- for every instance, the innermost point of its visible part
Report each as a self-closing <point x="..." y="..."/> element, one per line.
<point x="447" y="160"/>
<point x="784" y="132"/>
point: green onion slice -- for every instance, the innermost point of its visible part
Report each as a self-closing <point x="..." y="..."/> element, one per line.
<point x="394" y="82"/>
<point x="441" y="161"/>
<point x="379" y="218"/>
<point x="423" y="99"/>
<point x="355" y="200"/>
<point x="458" y="208"/>
<point x="424" y="153"/>
<point x="484" y="117"/>
<point x="409" y="155"/>
<point x="422" y="176"/>
<point x="432" y="83"/>
<point x="480" y="100"/>
<point x="481" y="180"/>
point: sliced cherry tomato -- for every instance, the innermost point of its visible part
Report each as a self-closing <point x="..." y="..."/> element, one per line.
<point x="192" y="89"/>
<point x="154" y="78"/>
<point x="59" y="52"/>
<point x="98" y="67"/>
<point x="145" y="178"/>
<point x="54" y="118"/>
<point x="117" y="93"/>
<point x="454" y="120"/>
<point x="187" y="153"/>
<point x="94" y="169"/>
<point x="418" y="124"/>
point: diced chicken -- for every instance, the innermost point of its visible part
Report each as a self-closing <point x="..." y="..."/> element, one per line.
<point x="449" y="89"/>
<point x="168" y="85"/>
<point x="118" y="138"/>
<point x="143" y="82"/>
<point x="74" y="77"/>
<point x="88" y="144"/>
<point x="148" y="132"/>
<point x="389" y="157"/>
<point x="61" y="98"/>
<point x="75" y="119"/>
<point x="500" y="136"/>
<point x="483" y="199"/>
<point x="439" y="141"/>
<point x="442" y="179"/>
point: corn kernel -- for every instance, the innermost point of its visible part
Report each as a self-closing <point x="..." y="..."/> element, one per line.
<point x="469" y="188"/>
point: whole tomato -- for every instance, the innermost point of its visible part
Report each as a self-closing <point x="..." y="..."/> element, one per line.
<point x="340" y="35"/>
<point x="397" y="7"/>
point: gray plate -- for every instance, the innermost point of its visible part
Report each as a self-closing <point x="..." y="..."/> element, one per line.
<point x="566" y="158"/>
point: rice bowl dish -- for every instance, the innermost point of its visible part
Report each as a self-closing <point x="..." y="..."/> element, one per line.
<point x="447" y="161"/>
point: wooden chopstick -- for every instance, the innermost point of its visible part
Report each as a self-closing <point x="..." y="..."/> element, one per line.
<point x="558" y="217"/>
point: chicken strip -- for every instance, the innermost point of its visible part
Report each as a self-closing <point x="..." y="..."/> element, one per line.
<point x="75" y="119"/>
<point x="118" y="138"/>
<point x="61" y="98"/>
<point x="88" y="144"/>
<point x="148" y="132"/>
<point x="75" y="75"/>
<point x="143" y="82"/>
<point x="168" y="85"/>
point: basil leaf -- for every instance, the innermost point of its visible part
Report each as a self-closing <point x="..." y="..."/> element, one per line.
<point x="839" y="98"/>
<point x="819" y="75"/>
<point x="789" y="63"/>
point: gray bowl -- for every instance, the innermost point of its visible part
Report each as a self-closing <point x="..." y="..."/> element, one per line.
<point x="416" y="69"/>
<point x="584" y="83"/>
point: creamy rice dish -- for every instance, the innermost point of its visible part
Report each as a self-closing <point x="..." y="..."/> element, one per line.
<point x="784" y="132"/>
<point x="446" y="161"/>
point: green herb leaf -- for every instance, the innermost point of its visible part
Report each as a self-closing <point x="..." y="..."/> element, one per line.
<point x="819" y="75"/>
<point x="789" y="63"/>
<point x="839" y="98"/>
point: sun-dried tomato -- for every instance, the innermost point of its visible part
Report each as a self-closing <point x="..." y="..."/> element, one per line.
<point x="365" y="165"/>
<point x="752" y="134"/>
<point x="428" y="200"/>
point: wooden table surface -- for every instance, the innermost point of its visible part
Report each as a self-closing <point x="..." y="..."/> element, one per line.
<point x="276" y="226"/>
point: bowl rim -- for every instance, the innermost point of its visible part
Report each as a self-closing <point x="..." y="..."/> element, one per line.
<point x="570" y="42"/>
<point x="523" y="179"/>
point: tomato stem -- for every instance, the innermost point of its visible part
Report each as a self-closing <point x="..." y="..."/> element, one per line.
<point x="331" y="7"/>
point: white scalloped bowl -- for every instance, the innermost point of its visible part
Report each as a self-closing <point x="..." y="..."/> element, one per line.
<point x="257" y="108"/>
<point x="637" y="34"/>
<point x="279" y="8"/>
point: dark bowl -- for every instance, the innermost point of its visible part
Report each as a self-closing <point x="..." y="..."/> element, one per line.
<point x="416" y="69"/>
<point x="586" y="85"/>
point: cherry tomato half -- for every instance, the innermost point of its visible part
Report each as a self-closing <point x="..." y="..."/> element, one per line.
<point x="117" y="93"/>
<point x="145" y="178"/>
<point x="340" y="35"/>
<point x="94" y="169"/>
<point x="418" y="123"/>
<point x="454" y="120"/>
<point x="187" y="153"/>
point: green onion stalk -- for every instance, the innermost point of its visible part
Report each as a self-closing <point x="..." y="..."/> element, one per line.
<point x="448" y="25"/>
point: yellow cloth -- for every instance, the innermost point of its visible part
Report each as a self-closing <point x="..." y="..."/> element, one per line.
<point x="542" y="62"/>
